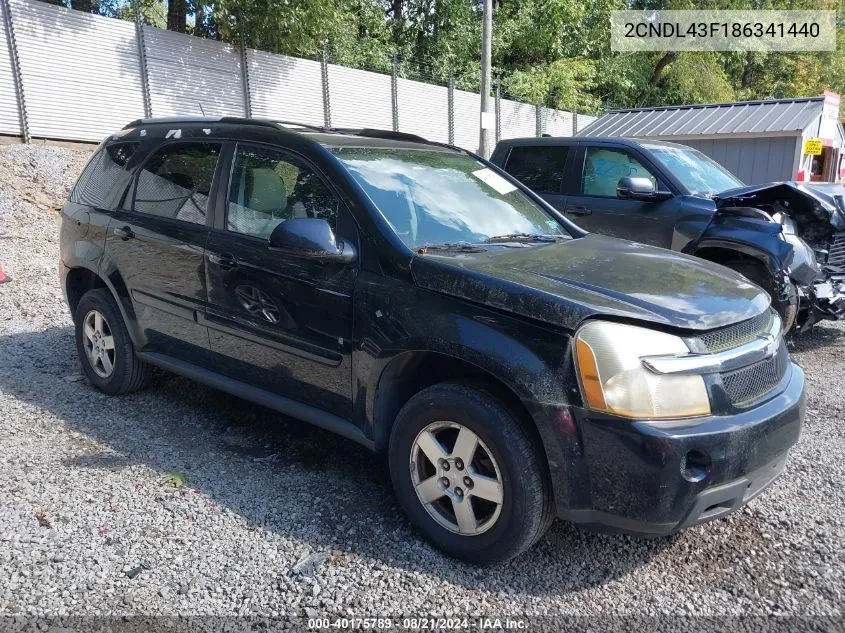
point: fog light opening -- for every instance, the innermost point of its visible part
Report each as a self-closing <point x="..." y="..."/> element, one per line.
<point x="695" y="466"/>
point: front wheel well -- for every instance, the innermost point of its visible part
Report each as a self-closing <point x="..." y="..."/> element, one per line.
<point x="78" y="282"/>
<point x="752" y="267"/>
<point x="411" y="372"/>
<point x="727" y="256"/>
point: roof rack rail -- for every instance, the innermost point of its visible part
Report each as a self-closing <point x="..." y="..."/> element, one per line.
<point x="389" y="134"/>
<point x="306" y="126"/>
<point x="199" y="119"/>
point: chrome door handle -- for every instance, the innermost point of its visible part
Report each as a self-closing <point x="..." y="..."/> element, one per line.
<point x="124" y="233"/>
<point x="226" y="261"/>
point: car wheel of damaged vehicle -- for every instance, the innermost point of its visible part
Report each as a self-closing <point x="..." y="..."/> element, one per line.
<point x="467" y="474"/>
<point x="105" y="350"/>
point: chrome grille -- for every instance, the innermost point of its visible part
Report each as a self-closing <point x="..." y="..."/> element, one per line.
<point x="836" y="255"/>
<point x="749" y="383"/>
<point x="736" y="334"/>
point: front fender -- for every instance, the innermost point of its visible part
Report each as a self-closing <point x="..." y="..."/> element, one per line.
<point x="530" y="359"/>
<point x="754" y="237"/>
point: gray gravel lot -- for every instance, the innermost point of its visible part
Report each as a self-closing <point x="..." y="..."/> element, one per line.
<point x="90" y="523"/>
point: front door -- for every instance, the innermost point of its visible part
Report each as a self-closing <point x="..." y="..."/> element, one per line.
<point x="157" y="243"/>
<point x="275" y="321"/>
<point x="596" y="207"/>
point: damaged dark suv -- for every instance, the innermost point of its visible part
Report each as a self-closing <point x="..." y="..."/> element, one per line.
<point x="417" y="300"/>
<point x="789" y="238"/>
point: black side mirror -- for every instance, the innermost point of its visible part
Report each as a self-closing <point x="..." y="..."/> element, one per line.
<point x="633" y="188"/>
<point x="311" y="238"/>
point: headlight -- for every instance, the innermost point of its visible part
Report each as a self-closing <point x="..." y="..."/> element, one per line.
<point x="613" y="378"/>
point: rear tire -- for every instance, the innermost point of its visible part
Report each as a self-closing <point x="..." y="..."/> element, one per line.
<point x="105" y="350"/>
<point x="492" y="501"/>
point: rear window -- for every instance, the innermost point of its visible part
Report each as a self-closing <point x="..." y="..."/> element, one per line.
<point x="176" y="181"/>
<point x="105" y="177"/>
<point x="538" y="167"/>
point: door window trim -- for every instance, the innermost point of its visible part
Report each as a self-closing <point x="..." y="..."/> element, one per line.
<point x="210" y="211"/>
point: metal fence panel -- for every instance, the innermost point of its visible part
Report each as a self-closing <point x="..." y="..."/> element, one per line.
<point x="9" y="117"/>
<point x="467" y="118"/>
<point x="80" y="72"/>
<point x="556" y="122"/>
<point x="187" y="71"/>
<point x="424" y="110"/>
<point x="360" y="98"/>
<point x="285" y="88"/>
<point x="518" y="119"/>
<point x="82" y="79"/>
<point x="559" y="122"/>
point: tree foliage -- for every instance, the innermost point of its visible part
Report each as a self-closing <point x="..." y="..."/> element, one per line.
<point x="548" y="52"/>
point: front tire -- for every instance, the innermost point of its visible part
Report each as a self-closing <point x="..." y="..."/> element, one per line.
<point x="105" y="350"/>
<point x="467" y="474"/>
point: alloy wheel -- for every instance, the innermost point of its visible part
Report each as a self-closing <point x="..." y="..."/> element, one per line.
<point x="99" y="343"/>
<point x="456" y="478"/>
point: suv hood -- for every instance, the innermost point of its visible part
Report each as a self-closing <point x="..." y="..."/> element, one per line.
<point x="822" y="202"/>
<point x="566" y="282"/>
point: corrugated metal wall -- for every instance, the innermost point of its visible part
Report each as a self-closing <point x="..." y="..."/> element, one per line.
<point x="285" y="88"/>
<point x="81" y="73"/>
<point x="82" y="81"/>
<point x="359" y="98"/>
<point x="187" y="71"/>
<point x="9" y="116"/>
<point x="557" y="123"/>
<point x="517" y="119"/>
<point x="752" y="160"/>
<point x="467" y="119"/>
<point x="424" y="109"/>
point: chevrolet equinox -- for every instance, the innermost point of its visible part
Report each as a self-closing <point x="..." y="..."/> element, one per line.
<point x="416" y="299"/>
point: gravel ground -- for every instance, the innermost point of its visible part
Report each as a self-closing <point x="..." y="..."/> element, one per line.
<point x="93" y="519"/>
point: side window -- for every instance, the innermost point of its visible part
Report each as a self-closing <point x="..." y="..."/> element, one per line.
<point x="604" y="167"/>
<point x="269" y="187"/>
<point x="539" y="167"/>
<point x="105" y="177"/>
<point x="176" y="181"/>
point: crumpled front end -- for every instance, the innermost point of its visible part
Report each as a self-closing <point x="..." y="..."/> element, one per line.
<point x="812" y="219"/>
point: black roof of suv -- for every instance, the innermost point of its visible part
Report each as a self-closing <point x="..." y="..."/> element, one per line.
<point x="414" y="298"/>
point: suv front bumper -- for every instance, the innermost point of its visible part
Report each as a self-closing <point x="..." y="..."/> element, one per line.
<point x="653" y="478"/>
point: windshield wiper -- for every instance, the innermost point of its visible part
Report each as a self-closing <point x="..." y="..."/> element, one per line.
<point x="455" y="247"/>
<point x="524" y="237"/>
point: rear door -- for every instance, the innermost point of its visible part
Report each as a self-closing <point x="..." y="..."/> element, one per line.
<point x="594" y="205"/>
<point x="541" y="168"/>
<point x="157" y="243"/>
<point x="276" y="321"/>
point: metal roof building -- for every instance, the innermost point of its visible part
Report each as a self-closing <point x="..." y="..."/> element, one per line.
<point x="759" y="141"/>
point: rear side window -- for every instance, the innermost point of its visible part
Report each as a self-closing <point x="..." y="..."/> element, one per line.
<point x="538" y="167"/>
<point x="105" y="177"/>
<point x="176" y="181"/>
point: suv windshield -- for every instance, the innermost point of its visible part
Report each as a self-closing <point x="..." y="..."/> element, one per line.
<point x="434" y="197"/>
<point x="701" y="175"/>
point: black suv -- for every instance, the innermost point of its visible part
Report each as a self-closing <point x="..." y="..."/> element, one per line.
<point x="417" y="300"/>
<point x="787" y="237"/>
